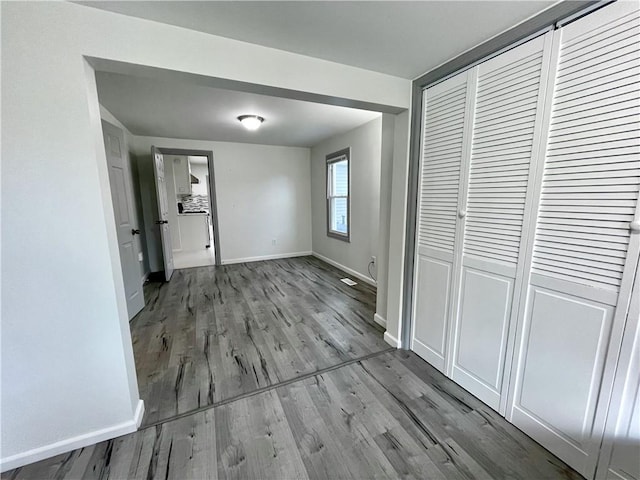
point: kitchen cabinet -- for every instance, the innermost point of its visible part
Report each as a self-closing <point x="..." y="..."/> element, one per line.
<point x="182" y="175"/>
<point x="194" y="231"/>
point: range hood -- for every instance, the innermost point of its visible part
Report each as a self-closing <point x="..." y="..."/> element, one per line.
<point x="194" y="179"/>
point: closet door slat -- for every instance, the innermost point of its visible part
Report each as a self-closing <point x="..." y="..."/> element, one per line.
<point x="508" y="96"/>
<point x="606" y="142"/>
<point x="584" y="253"/>
<point x="500" y="142"/>
<point x="445" y="117"/>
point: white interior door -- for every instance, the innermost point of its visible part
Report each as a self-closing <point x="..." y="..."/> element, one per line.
<point x="506" y="132"/>
<point x="585" y="252"/>
<point x="163" y="213"/>
<point x="445" y="147"/>
<point x="121" y="196"/>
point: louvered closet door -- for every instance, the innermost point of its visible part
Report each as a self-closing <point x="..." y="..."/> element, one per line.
<point x="506" y="132"/>
<point x="444" y="139"/>
<point x="620" y="452"/>
<point x="585" y="249"/>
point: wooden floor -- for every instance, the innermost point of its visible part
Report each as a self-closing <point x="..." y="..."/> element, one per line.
<point x="214" y="333"/>
<point x="331" y="401"/>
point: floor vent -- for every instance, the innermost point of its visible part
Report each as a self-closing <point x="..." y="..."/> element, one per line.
<point x="348" y="281"/>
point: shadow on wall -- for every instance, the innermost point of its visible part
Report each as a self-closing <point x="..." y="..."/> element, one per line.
<point x="148" y="209"/>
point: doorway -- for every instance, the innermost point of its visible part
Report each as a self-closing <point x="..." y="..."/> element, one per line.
<point x="192" y="207"/>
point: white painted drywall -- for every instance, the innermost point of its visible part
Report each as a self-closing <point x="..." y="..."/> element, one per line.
<point x="149" y="43"/>
<point x="365" y="144"/>
<point x="67" y="360"/>
<point x="262" y="193"/>
<point x="68" y="376"/>
<point x="397" y="226"/>
<point x="384" y="225"/>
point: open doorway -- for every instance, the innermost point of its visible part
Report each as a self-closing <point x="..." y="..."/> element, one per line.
<point x="189" y="180"/>
<point x="271" y="187"/>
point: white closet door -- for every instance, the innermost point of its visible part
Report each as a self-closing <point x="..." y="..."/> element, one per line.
<point x="584" y="255"/>
<point x="445" y="140"/>
<point x="506" y="133"/>
<point x="620" y="453"/>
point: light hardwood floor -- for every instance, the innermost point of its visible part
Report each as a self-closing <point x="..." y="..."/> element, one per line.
<point x="331" y="402"/>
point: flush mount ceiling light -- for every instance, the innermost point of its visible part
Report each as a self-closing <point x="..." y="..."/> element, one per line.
<point x="251" y="122"/>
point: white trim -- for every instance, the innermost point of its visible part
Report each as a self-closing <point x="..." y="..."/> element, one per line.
<point x="265" y="257"/>
<point x="348" y="270"/>
<point x="137" y="416"/>
<point x="391" y="340"/>
<point x="434" y="358"/>
<point x="380" y="320"/>
<point x="73" y="443"/>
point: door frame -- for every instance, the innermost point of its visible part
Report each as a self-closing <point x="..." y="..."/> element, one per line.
<point x="213" y="202"/>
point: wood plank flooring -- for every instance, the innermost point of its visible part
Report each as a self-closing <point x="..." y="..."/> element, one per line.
<point x="214" y="333"/>
<point x="275" y="370"/>
<point x="390" y="416"/>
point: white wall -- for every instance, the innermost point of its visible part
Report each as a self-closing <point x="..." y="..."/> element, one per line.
<point x="262" y="193"/>
<point x="365" y="144"/>
<point x="386" y="176"/>
<point x="68" y="376"/>
<point x="397" y="227"/>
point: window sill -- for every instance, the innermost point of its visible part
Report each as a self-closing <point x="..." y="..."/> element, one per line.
<point x="339" y="236"/>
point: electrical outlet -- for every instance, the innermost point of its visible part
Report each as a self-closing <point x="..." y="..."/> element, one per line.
<point x="373" y="259"/>
<point x="274" y="241"/>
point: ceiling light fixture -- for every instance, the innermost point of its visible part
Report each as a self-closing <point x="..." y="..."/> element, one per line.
<point x="251" y="122"/>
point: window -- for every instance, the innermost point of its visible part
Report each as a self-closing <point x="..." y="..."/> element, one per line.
<point x="338" y="205"/>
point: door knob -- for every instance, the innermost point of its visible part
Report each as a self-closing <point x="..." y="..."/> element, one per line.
<point x="161" y="222"/>
<point x="462" y="213"/>
<point x="635" y="226"/>
<point x="135" y="231"/>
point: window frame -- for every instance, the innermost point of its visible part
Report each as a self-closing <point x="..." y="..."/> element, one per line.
<point x="340" y="155"/>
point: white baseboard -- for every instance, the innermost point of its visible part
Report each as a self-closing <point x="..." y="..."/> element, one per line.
<point x="84" y="440"/>
<point x="391" y="340"/>
<point x="137" y="416"/>
<point x="347" y="270"/>
<point x="380" y="321"/>
<point x="264" y="257"/>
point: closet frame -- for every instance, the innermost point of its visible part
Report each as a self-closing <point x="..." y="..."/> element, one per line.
<point x="616" y="302"/>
